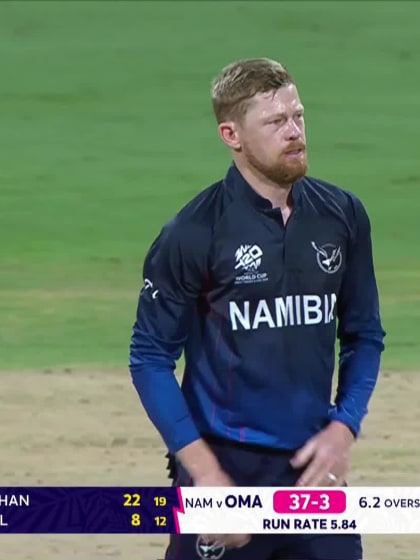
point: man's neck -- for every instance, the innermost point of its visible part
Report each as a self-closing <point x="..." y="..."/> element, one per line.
<point x="277" y="194"/>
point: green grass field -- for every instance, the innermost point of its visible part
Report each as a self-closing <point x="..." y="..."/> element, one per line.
<point x="107" y="129"/>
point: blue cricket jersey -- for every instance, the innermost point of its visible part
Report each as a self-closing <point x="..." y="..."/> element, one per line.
<point x="257" y="307"/>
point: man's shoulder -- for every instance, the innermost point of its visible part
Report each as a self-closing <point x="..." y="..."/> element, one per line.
<point x="204" y="206"/>
<point x="195" y="220"/>
<point x="331" y="197"/>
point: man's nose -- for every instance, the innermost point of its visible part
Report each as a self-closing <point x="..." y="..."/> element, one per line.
<point x="293" y="130"/>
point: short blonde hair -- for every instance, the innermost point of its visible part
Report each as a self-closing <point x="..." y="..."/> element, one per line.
<point x="237" y="83"/>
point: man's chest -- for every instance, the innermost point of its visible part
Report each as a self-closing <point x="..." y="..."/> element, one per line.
<point x="258" y="259"/>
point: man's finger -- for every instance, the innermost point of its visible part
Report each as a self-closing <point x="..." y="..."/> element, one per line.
<point x="304" y="454"/>
<point x="229" y="541"/>
<point x="314" y="474"/>
<point x="339" y="482"/>
<point x="243" y="541"/>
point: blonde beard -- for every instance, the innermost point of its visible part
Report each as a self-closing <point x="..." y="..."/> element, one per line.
<point x="280" y="174"/>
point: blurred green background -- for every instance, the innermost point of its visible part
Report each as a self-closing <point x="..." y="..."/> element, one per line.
<point x="106" y="130"/>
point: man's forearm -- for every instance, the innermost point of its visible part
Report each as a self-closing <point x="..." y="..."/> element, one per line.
<point x="165" y="405"/>
<point x="358" y="374"/>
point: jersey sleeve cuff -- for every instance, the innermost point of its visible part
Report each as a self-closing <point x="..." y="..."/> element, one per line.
<point x="352" y="423"/>
<point x="184" y="433"/>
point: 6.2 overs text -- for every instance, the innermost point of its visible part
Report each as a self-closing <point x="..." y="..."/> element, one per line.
<point x="377" y="502"/>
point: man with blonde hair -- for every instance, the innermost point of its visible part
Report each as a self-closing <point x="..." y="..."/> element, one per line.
<point x="251" y="279"/>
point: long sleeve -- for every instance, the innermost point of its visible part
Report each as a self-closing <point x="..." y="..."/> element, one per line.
<point x="360" y="330"/>
<point x="172" y="274"/>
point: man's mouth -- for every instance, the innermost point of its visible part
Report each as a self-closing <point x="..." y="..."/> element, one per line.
<point x="296" y="152"/>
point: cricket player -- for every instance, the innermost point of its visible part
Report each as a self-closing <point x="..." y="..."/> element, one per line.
<point x="255" y="279"/>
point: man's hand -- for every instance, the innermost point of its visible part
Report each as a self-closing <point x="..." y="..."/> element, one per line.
<point x="198" y="459"/>
<point x="221" y="479"/>
<point x="326" y="453"/>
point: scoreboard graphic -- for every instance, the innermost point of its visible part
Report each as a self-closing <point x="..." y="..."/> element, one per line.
<point x="253" y="510"/>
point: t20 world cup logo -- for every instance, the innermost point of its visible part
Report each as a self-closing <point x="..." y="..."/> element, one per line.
<point x="248" y="257"/>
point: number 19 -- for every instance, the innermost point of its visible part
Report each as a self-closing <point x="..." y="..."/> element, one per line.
<point x="160" y="501"/>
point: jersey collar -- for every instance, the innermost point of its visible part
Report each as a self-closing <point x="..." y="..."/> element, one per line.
<point x="236" y="183"/>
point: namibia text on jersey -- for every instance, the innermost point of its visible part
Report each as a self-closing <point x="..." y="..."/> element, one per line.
<point x="281" y="312"/>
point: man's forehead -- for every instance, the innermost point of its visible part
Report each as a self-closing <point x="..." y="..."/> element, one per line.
<point x="281" y="98"/>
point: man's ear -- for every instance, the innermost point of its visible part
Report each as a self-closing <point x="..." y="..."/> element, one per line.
<point x="228" y="132"/>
